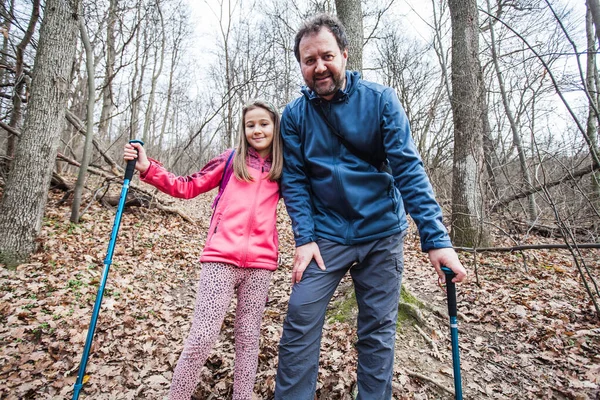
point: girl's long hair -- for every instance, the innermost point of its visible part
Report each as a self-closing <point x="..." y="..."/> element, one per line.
<point x="239" y="161"/>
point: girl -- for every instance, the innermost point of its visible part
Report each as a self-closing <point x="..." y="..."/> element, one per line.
<point x="241" y="247"/>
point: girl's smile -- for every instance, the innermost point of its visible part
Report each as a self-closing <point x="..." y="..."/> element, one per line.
<point x="259" y="128"/>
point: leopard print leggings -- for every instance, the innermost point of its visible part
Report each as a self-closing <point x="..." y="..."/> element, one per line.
<point x="217" y="284"/>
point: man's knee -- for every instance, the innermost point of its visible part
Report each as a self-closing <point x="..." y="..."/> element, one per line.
<point x="305" y="313"/>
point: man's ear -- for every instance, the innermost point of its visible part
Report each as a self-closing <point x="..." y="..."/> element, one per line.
<point x="345" y="54"/>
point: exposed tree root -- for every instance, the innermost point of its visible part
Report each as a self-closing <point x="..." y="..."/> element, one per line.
<point x="432" y="344"/>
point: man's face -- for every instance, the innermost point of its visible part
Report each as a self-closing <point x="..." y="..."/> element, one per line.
<point x="322" y="63"/>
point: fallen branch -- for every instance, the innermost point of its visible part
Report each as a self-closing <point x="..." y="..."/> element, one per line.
<point x="527" y="247"/>
<point x="91" y="170"/>
<point x="547" y="231"/>
<point x="567" y="177"/>
<point x="80" y="127"/>
<point x="58" y="182"/>
<point x="175" y="210"/>
<point x="422" y="377"/>
<point x="137" y="196"/>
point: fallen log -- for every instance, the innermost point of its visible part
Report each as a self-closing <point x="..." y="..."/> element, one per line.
<point x="136" y="197"/>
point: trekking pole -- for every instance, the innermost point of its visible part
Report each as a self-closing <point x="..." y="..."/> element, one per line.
<point x="451" y="292"/>
<point x="107" y="261"/>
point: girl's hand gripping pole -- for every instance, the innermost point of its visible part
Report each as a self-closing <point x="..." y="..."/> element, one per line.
<point x="130" y="169"/>
<point x="451" y="291"/>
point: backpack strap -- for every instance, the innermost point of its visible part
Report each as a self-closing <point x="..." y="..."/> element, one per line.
<point x="224" y="179"/>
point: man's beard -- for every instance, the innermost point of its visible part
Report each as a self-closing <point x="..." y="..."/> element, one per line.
<point x="337" y="84"/>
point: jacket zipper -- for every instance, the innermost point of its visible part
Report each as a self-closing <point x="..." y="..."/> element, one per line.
<point x="337" y="147"/>
<point x="251" y="217"/>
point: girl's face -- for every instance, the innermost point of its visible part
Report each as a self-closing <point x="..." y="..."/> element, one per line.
<point x="259" y="128"/>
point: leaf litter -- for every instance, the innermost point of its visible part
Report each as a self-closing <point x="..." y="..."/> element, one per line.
<point x="523" y="333"/>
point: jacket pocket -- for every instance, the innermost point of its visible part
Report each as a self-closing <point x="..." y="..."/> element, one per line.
<point x="392" y="193"/>
<point x="215" y="227"/>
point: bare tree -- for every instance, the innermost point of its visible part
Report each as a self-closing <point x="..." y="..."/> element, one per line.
<point x="159" y="56"/>
<point x="592" y="83"/>
<point x="89" y="135"/>
<point x="140" y="62"/>
<point x="20" y="83"/>
<point x="594" y="7"/>
<point x="109" y="71"/>
<point x="6" y="10"/>
<point x="26" y="190"/>
<point x="179" y="31"/>
<point x="405" y="66"/>
<point x="517" y="142"/>
<point x="468" y="212"/>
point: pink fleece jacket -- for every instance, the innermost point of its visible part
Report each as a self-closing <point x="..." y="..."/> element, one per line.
<point x="243" y="230"/>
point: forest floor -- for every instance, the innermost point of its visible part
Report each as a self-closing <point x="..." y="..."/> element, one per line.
<point x="528" y="330"/>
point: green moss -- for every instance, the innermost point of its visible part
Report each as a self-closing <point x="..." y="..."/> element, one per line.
<point x="10" y="259"/>
<point x="407" y="297"/>
<point x="343" y="310"/>
<point x="408" y="308"/>
<point x="346" y="309"/>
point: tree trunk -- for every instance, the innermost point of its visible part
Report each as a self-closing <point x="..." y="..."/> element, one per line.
<point x="6" y="21"/>
<point x="350" y="13"/>
<point x="157" y="70"/>
<point x="20" y="80"/>
<point x="24" y="200"/>
<point x="89" y="135"/>
<point x="468" y="105"/>
<point x="592" y="120"/>
<point x="594" y="7"/>
<point x="517" y="142"/>
<point x="138" y="77"/>
<point x="174" y="62"/>
<point x="109" y="72"/>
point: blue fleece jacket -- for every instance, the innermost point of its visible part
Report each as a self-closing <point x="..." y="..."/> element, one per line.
<point x="331" y="193"/>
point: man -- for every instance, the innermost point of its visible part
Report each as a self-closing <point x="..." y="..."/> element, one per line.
<point x="347" y="213"/>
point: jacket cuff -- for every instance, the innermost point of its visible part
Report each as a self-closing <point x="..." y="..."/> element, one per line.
<point x="153" y="164"/>
<point x="305" y="240"/>
<point x="436" y="244"/>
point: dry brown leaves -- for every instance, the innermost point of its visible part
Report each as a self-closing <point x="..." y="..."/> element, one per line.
<point x="525" y="334"/>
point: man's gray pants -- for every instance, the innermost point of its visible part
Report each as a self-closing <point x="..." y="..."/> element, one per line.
<point x="376" y="269"/>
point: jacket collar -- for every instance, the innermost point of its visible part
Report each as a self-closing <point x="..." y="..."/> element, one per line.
<point x="352" y="80"/>
<point x="252" y="153"/>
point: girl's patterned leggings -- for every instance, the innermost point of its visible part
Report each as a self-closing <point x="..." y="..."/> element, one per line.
<point x="218" y="282"/>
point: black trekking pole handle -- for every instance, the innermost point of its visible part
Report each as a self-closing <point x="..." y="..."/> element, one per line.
<point x="450" y="290"/>
<point x="130" y="169"/>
